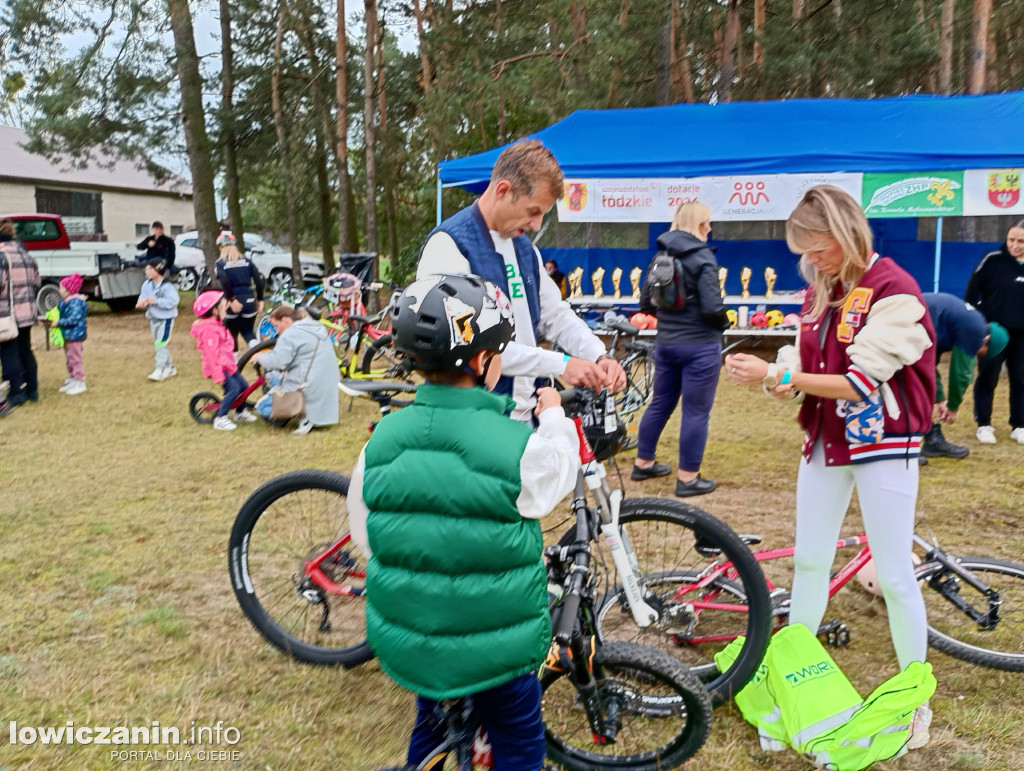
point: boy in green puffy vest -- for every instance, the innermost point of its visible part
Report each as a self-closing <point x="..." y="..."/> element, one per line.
<point x="445" y="500"/>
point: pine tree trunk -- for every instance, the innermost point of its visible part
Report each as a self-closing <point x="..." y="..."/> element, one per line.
<point x="387" y="162"/>
<point x="427" y="75"/>
<point x="946" y="47"/>
<point x="227" y="77"/>
<point x="369" y="130"/>
<point x="346" y="220"/>
<point x="758" y="31"/>
<point x="979" y="46"/>
<point x="613" y="86"/>
<point x="197" y="143"/>
<point x="322" y="134"/>
<point x="291" y="204"/>
<point x="727" y="69"/>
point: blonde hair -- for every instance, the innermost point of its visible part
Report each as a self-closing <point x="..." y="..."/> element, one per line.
<point x="829" y="211"/>
<point x="528" y="165"/>
<point x="689" y="217"/>
<point x="230" y="253"/>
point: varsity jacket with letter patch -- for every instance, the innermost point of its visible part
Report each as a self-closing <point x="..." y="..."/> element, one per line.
<point x="881" y="338"/>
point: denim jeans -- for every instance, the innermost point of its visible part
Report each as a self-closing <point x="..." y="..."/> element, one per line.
<point x="511" y="714"/>
<point x="234" y="384"/>
<point x="690" y="371"/>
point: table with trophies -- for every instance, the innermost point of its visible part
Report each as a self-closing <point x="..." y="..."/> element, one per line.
<point x="750" y="318"/>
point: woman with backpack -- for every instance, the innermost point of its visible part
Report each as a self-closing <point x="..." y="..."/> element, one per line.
<point x="687" y="349"/>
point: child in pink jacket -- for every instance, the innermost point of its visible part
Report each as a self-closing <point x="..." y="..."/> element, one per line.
<point x="218" y="356"/>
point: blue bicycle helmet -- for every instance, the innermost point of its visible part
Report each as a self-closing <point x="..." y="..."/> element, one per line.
<point x="441" y="321"/>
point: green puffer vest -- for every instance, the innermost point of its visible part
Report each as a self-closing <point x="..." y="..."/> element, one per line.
<point x="456" y="589"/>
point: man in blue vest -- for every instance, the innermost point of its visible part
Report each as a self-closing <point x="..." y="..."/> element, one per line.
<point x="488" y="238"/>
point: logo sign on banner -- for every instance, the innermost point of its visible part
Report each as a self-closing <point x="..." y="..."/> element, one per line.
<point x="992" y="191"/>
<point x="921" y="194"/>
<point x="754" y="197"/>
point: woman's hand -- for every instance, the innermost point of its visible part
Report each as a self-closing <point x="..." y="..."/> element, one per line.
<point x="744" y="369"/>
<point x="236" y="305"/>
<point x="259" y="306"/>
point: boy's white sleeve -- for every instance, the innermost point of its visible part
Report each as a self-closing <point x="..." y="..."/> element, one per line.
<point x="357" y="510"/>
<point x="549" y="464"/>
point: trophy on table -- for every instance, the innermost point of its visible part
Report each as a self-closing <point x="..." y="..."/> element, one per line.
<point x="769" y="283"/>
<point x="722" y="273"/>
<point x="634" y="280"/>
<point x="745" y="275"/>
<point x="616" y="278"/>
<point x="575" y="277"/>
<point x="597" y="277"/>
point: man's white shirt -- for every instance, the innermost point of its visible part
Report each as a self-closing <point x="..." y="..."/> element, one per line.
<point x="558" y="324"/>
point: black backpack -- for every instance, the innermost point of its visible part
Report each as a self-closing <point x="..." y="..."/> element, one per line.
<point x="665" y="282"/>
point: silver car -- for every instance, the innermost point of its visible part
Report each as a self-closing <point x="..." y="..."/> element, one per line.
<point x="271" y="259"/>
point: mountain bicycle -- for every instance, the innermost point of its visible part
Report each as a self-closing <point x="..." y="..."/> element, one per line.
<point x="298" y="576"/>
<point x="974" y="605"/>
<point x="605" y="705"/>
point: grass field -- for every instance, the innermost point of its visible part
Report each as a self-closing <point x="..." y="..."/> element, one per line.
<point x="117" y="610"/>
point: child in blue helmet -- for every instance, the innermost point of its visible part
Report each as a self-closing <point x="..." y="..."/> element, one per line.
<point x="445" y="499"/>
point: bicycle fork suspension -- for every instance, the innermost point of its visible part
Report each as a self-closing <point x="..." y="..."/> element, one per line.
<point x="608" y="502"/>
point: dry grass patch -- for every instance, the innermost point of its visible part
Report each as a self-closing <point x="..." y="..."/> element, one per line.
<point x="117" y="610"/>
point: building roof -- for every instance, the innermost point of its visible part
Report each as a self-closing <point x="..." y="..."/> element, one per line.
<point x="19" y="164"/>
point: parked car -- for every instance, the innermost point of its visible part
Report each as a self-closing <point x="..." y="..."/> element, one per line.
<point x="108" y="269"/>
<point x="271" y="259"/>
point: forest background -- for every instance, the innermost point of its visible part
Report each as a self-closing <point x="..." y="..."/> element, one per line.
<point x="314" y="123"/>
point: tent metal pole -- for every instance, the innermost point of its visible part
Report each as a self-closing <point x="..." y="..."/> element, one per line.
<point x="938" y="253"/>
<point x="439" y="189"/>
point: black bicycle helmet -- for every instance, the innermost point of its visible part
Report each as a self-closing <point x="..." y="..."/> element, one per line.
<point x="441" y="321"/>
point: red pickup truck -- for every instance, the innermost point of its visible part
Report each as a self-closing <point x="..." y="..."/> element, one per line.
<point x="109" y="270"/>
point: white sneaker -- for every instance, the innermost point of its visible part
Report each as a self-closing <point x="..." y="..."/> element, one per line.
<point x="76" y="387"/>
<point x="244" y="416"/>
<point x="224" y="424"/>
<point x="67" y="384"/>
<point x="919" y="728"/>
<point x="304" y="427"/>
<point x="986" y="435"/>
<point x="1017" y="435"/>
<point x="169" y="372"/>
<point x="156" y="375"/>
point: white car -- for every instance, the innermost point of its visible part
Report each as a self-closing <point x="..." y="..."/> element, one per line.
<point x="272" y="260"/>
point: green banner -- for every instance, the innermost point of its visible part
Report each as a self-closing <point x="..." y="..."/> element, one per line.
<point x="910" y="194"/>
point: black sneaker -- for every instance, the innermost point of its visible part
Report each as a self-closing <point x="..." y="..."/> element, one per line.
<point x="922" y="461"/>
<point x="696" y="486"/>
<point x="654" y="470"/>
<point x="936" y="446"/>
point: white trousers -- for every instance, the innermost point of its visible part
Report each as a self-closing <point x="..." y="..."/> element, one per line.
<point x="887" y="491"/>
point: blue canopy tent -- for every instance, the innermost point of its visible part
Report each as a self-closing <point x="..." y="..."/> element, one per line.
<point x="899" y="134"/>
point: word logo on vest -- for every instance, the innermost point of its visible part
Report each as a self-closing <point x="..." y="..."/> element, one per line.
<point x="809" y="673"/>
<point x="515" y="282"/>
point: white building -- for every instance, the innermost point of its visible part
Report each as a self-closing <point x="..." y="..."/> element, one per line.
<point x="120" y="202"/>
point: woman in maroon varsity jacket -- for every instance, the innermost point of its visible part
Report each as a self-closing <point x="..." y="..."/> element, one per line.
<point x="865" y="367"/>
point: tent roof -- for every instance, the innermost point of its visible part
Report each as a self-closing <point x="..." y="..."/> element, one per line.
<point x="910" y="133"/>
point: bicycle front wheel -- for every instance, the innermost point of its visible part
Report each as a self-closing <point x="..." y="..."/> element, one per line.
<point x="965" y="623"/>
<point x="705" y="584"/>
<point x="296" y="572"/>
<point x="662" y="711"/>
